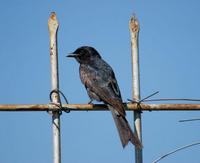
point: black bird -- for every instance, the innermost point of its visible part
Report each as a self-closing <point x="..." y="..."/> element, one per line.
<point x="101" y="85"/>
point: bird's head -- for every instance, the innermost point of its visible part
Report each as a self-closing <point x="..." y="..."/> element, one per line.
<point x="85" y="54"/>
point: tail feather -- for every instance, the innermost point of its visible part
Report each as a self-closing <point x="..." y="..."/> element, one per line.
<point x="124" y="130"/>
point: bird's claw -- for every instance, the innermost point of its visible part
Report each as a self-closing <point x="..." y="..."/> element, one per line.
<point x="90" y="102"/>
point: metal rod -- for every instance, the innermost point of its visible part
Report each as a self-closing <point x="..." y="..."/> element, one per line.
<point x="176" y="150"/>
<point x="134" y="31"/>
<point x="101" y="107"/>
<point x="53" y="28"/>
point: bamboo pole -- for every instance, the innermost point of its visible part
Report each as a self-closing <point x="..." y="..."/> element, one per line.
<point x="53" y="28"/>
<point x="101" y="107"/>
<point x="134" y="31"/>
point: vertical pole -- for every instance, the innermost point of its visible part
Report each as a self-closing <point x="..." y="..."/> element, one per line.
<point x="53" y="28"/>
<point x="134" y="31"/>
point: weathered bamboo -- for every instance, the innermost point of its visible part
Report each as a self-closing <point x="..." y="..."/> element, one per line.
<point x="134" y="31"/>
<point x="102" y="107"/>
<point x="53" y="28"/>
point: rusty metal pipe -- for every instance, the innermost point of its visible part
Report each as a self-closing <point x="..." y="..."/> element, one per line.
<point x="134" y="31"/>
<point x="100" y="107"/>
<point x="53" y="28"/>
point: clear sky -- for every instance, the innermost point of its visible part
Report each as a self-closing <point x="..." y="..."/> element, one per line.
<point x="169" y="63"/>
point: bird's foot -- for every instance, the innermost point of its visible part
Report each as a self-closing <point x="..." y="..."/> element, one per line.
<point x="90" y="102"/>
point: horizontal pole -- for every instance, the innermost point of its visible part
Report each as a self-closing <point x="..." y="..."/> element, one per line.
<point x="101" y="107"/>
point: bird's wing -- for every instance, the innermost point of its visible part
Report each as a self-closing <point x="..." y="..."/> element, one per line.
<point x="104" y="85"/>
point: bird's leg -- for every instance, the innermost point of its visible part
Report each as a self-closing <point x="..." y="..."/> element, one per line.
<point x="90" y="102"/>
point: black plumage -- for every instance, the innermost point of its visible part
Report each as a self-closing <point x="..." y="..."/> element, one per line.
<point x="101" y="85"/>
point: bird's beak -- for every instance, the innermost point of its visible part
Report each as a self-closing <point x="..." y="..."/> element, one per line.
<point x="71" y="55"/>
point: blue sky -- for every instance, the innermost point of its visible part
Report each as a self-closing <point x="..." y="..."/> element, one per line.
<point x="169" y="63"/>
